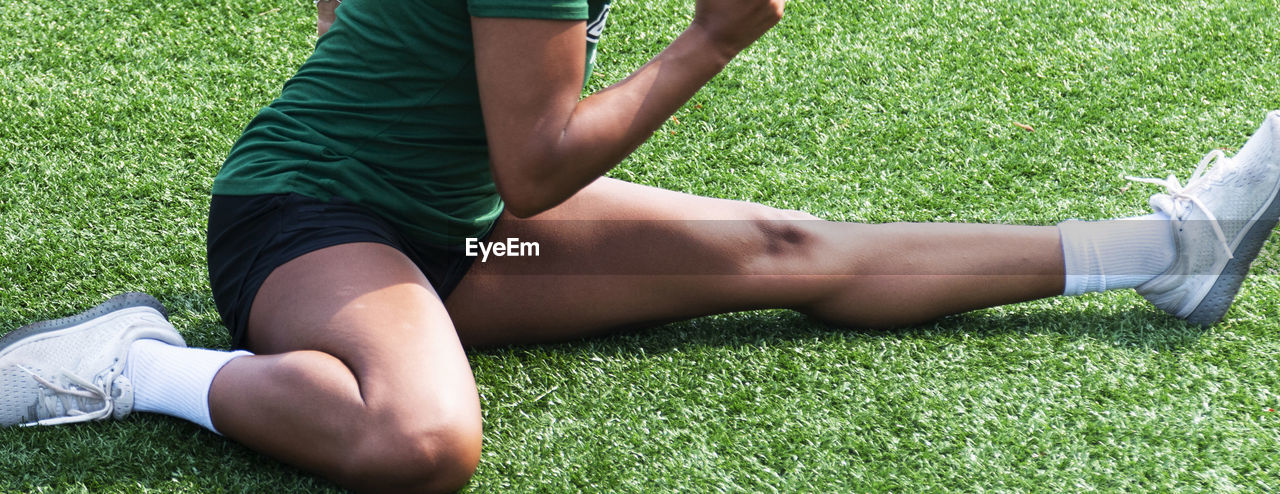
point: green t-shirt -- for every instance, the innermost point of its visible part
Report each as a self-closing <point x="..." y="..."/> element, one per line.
<point x="386" y="113"/>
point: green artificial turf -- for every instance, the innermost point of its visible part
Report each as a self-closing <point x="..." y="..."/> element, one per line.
<point x="115" y="115"/>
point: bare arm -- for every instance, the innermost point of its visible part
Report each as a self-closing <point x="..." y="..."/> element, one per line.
<point x="545" y="144"/>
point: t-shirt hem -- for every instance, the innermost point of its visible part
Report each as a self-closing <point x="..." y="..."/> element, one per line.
<point x="482" y="223"/>
<point x="566" y="13"/>
<point x="237" y="188"/>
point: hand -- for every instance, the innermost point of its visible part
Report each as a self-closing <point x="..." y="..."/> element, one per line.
<point x="325" y="15"/>
<point x="735" y="24"/>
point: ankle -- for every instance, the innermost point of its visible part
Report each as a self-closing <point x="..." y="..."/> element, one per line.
<point x="1113" y="254"/>
<point x="174" y="380"/>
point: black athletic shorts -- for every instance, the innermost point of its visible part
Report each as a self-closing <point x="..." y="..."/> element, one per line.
<point x="251" y="236"/>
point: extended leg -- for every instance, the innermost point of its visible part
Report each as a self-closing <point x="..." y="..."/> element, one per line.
<point x="619" y="255"/>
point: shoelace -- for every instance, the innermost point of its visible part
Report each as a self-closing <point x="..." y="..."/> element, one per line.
<point x="1178" y="191"/>
<point x="67" y="395"/>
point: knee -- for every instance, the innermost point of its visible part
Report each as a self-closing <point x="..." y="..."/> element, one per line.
<point x="426" y="454"/>
<point x="785" y="240"/>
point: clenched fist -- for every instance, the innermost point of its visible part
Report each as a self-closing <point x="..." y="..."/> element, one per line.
<point x="735" y="24"/>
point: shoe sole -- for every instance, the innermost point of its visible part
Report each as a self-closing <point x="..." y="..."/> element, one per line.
<point x="117" y="303"/>
<point x="1218" y="299"/>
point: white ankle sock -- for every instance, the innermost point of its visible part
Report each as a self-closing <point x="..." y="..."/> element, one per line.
<point x="1112" y="254"/>
<point x="174" y="380"/>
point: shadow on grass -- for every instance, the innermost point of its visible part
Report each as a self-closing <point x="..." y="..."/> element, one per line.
<point x="1136" y="327"/>
<point x="151" y="452"/>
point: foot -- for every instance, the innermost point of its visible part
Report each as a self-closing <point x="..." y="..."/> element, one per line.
<point x="1220" y="220"/>
<point x="69" y="370"/>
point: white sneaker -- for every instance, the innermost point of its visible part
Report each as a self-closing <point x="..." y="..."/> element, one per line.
<point x="69" y="370"/>
<point x="1220" y="221"/>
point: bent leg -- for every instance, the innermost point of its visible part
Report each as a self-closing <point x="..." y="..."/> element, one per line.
<point x="620" y="255"/>
<point x="360" y="376"/>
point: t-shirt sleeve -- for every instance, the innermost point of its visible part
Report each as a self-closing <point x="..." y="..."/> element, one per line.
<point x="569" y="10"/>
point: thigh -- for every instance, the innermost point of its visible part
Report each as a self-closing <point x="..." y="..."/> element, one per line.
<point x="620" y="255"/>
<point x="369" y="306"/>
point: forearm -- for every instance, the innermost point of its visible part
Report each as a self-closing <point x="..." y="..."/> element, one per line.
<point x="607" y="126"/>
<point x="545" y="142"/>
<point x="598" y="132"/>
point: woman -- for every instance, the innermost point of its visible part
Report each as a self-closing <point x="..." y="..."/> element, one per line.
<point x="342" y="220"/>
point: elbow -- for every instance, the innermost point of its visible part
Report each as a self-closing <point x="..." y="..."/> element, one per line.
<point x="522" y="208"/>
<point x="525" y="193"/>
